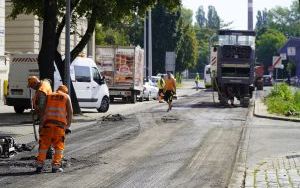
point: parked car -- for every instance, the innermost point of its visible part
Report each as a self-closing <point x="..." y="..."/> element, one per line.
<point x="268" y="80"/>
<point x="150" y="91"/>
<point x="155" y="79"/>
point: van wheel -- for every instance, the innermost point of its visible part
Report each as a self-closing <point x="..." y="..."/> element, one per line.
<point x="19" y="109"/>
<point x="104" y="105"/>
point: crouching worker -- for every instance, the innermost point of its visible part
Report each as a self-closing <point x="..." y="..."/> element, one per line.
<point x="55" y="124"/>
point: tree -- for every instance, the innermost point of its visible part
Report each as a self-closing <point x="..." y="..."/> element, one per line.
<point x="106" y="12"/>
<point x="262" y="19"/>
<point x="187" y="49"/>
<point x="267" y="44"/>
<point x="187" y="15"/>
<point x="200" y="17"/>
<point x="164" y="35"/>
<point x="213" y="19"/>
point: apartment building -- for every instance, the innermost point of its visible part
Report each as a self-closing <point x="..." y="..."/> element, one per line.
<point x="24" y="34"/>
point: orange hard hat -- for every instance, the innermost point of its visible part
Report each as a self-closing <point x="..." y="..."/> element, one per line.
<point x="63" y="88"/>
<point x="33" y="81"/>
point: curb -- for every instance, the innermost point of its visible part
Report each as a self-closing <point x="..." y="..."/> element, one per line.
<point x="257" y="113"/>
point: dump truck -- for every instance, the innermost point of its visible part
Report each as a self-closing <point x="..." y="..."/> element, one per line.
<point x="123" y="68"/>
<point x="232" y="66"/>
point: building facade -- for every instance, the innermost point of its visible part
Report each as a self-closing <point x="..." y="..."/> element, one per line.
<point x="24" y="34"/>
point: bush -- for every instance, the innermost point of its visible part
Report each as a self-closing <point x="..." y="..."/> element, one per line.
<point x="283" y="101"/>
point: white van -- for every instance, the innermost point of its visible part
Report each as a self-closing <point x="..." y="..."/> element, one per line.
<point x="207" y="76"/>
<point x="89" y="85"/>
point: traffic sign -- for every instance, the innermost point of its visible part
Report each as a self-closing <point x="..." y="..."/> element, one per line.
<point x="277" y="62"/>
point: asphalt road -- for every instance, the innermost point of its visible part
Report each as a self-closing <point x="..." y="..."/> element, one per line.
<point x="194" y="145"/>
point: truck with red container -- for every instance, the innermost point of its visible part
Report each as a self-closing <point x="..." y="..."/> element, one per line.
<point x="123" y="68"/>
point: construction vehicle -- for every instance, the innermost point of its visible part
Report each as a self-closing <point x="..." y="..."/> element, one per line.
<point x="123" y="68"/>
<point x="232" y="66"/>
<point x="259" y="80"/>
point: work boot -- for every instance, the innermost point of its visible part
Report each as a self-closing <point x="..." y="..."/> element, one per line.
<point x="57" y="169"/>
<point x="39" y="169"/>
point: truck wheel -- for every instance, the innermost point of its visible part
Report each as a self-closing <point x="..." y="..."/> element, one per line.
<point x="133" y="98"/>
<point x="141" y="99"/>
<point x="19" y="109"/>
<point x="104" y="105"/>
<point x="245" y="102"/>
<point x="148" y="97"/>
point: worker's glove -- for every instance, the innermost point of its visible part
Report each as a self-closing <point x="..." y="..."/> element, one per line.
<point x="68" y="131"/>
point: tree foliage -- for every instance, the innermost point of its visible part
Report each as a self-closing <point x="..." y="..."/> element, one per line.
<point x="267" y="45"/>
<point x="105" y="12"/>
<point x="200" y="17"/>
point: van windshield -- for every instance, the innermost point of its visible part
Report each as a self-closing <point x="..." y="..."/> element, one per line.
<point x="82" y="74"/>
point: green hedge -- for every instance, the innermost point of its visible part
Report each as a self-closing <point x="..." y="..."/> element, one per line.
<point x="282" y="100"/>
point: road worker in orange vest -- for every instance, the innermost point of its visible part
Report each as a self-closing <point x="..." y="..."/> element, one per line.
<point x="43" y="88"/>
<point x="170" y="90"/>
<point x="56" y="122"/>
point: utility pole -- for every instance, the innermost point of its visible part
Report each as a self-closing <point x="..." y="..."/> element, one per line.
<point x="150" y="44"/>
<point x="250" y="15"/>
<point x="145" y="45"/>
<point x="67" y="47"/>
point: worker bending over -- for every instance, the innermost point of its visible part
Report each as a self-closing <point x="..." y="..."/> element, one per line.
<point x="170" y="90"/>
<point x="56" y="122"/>
<point x="43" y="88"/>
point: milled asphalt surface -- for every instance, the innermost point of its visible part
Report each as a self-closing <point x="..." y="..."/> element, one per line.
<point x="197" y="144"/>
<point x="194" y="145"/>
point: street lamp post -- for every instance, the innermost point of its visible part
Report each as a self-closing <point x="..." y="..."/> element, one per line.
<point x="67" y="45"/>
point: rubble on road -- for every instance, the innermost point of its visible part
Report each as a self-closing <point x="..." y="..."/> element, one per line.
<point x="113" y="117"/>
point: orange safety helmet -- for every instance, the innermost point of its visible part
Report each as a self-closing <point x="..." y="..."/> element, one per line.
<point x="33" y="81"/>
<point x="63" y="89"/>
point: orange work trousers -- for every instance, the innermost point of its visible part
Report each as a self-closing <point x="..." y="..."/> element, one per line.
<point x="51" y="134"/>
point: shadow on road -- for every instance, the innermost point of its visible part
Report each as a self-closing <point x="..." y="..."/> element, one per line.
<point x="16" y="174"/>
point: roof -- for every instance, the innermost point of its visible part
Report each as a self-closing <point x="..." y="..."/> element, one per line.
<point x="83" y="61"/>
<point x="292" y="42"/>
<point x="237" y="32"/>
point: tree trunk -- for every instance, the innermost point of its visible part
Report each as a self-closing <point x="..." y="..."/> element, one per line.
<point x="61" y="63"/>
<point x="47" y="53"/>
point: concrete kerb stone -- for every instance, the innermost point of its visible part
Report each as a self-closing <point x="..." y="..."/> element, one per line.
<point x="260" y="110"/>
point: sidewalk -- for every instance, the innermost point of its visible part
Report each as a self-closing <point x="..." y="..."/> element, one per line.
<point x="272" y="149"/>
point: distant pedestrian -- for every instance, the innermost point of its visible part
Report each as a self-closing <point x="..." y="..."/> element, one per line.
<point x="197" y="80"/>
<point x="56" y="122"/>
<point x="161" y="84"/>
<point x="170" y="90"/>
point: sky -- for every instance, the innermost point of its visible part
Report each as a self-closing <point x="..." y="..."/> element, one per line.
<point x="235" y="10"/>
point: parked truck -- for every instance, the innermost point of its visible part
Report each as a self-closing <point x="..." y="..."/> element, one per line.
<point x="232" y="65"/>
<point x="123" y="68"/>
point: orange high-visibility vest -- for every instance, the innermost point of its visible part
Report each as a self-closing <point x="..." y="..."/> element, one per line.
<point x="56" y="108"/>
<point x="170" y="84"/>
